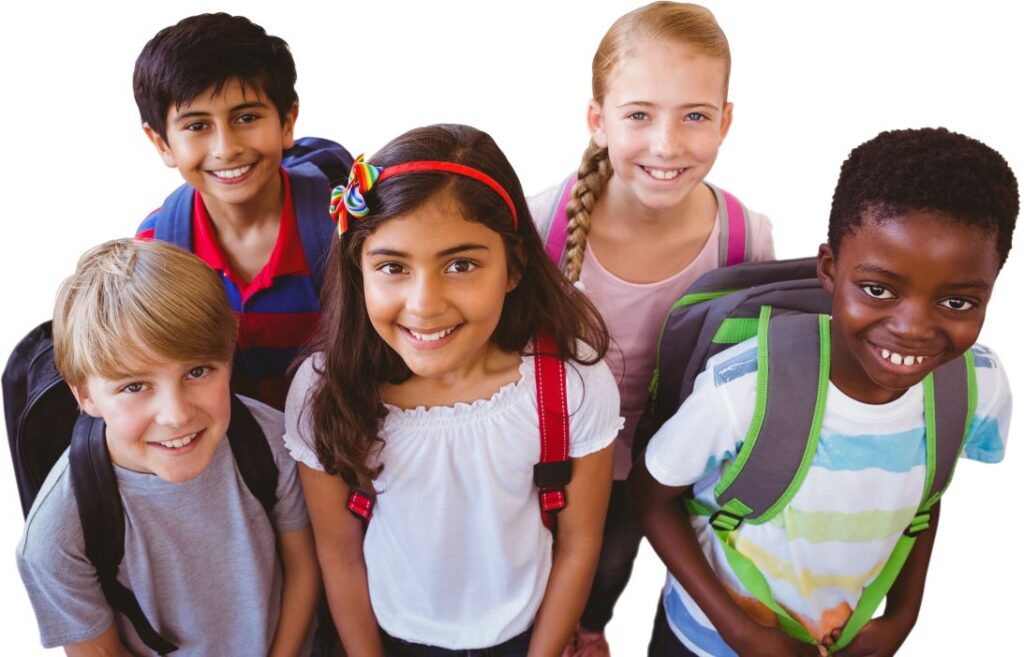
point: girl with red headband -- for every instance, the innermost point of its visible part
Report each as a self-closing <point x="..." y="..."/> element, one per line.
<point x="416" y="420"/>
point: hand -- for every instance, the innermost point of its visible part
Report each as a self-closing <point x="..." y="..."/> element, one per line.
<point x="770" y="642"/>
<point x="881" y="637"/>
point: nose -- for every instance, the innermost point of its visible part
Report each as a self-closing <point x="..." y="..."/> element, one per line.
<point x="426" y="297"/>
<point x="667" y="140"/>
<point x="176" y="408"/>
<point x="226" y="145"/>
<point x="912" y="321"/>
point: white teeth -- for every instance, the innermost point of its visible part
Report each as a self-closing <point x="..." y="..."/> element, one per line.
<point x="232" y="173"/>
<point x="432" y="337"/>
<point x="900" y="359"/>
<point x="179" y="442"/>
<point x="663" y="174"/>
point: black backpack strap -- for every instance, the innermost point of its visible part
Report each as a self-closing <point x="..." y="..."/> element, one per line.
<point x="787" y="419"/>
<point x="955" y="399"/>
<point x="102" y="517"/>
<point x="252" y="454"/>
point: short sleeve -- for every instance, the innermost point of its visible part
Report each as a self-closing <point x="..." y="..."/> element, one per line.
<point x="710" y="426"/>
<point x="986" y="440"/>
<point x="593" y="402"/>
<point x="60" y="581"/>
<point x="298" y="423"/>
<point x="762" y="243"/>
<point x="290" y="510"/>
<point x="541" y="206"/>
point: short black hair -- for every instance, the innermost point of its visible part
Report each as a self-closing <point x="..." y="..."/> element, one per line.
<point x="926" y="170"/>
<point x="205" y="51"/>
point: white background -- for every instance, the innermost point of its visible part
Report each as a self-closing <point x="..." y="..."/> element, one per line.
<point x="809" y="83"/>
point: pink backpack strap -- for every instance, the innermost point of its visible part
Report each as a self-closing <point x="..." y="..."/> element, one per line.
<point x="733" y="222"/>
<point x="554" y="471"/>
<point x="558" y="223"/>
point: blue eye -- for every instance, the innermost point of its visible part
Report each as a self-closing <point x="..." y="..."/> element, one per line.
<point x="133" y="387"/>
<point x="696" y="116"/>
<point x="199" y="372"/>
<point x="638" y="116"/>
<point x="876" y="291"/>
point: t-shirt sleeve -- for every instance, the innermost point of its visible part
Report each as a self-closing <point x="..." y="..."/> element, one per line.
<point x="709" y="428"/>
<point x="298" y="423"/>
<point x="762" y="244"/>
<point x="290" y="510"/>
<point x="541" y="205"/>
<point x="60" y="581"/>
<point x="593" y="403"/>
<point x="986" y="439"/>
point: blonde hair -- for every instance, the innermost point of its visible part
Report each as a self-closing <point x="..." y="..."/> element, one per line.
<point x="681" y="23"/>
<point x="129" y="296"/>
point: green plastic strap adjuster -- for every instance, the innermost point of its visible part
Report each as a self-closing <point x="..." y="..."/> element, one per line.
<point x="921" y="522"/>
<point x="725" y="521"/>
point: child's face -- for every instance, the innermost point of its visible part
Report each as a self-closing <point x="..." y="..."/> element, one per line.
<point x="163" y="417"/>
<point x="434" y="286"/>
<point x="228" y="145"/>
<point x="909" y="294"/>
<point x="663" y="118"/>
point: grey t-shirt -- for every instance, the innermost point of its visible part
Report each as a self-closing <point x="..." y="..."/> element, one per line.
<point x="200" y="556"/>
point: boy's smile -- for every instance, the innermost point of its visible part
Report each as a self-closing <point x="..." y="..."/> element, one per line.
<point x="908" y="294"/>
<point x="228" y="145"/>
<point x="163" y="417"/>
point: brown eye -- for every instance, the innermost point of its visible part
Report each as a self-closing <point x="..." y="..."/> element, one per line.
<point x="876" y="291"/>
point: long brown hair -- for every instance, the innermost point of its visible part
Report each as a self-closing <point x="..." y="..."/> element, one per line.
<point x="681" y="23"/>
<point x="347" y="410"/>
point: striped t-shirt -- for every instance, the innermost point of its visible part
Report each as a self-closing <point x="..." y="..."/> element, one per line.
<point x="863" y="487"/>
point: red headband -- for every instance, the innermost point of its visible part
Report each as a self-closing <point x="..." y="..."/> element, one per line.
<point x="348" y="199"/>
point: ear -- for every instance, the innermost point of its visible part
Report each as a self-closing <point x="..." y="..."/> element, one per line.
<point x="161" y="145"/>
<point x="84" y="401"/>
<point x="288" y="126"/>
<point x="827" y="268"/>
<point x="726" y="122"/>
<point x="595" y="123"/>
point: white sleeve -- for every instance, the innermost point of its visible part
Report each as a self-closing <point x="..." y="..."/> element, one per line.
<point x="762" y="244"/>
<point x="298" y="421"/>
<point x="986" y="441"/>
<point x="593" y="402"/>
<point x="541" y="206"/>
<point x="710" y="426"/>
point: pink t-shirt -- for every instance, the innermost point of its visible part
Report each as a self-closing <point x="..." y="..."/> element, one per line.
<point x="635" y="313"/>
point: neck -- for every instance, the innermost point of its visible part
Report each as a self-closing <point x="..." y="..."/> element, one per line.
<point x="263" y="209"/>
<point x="621" y="206"/>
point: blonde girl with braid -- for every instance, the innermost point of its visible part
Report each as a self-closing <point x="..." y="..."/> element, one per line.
<point x="638" y="223"/>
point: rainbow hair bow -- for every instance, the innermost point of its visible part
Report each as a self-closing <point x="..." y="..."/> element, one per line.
<point x="348" y="200"/>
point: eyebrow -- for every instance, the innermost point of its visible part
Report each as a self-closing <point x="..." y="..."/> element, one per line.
<point x="958" y="285"/>
<point x="440" y="254"/>
<point x="645" y="103"/>
<point x="255" y="104"/>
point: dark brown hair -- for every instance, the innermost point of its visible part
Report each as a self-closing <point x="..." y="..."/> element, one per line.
<point x="347" y="410"/>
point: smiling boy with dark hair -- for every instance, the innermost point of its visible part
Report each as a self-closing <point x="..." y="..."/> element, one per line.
<point x="921" y="224"/>
<point x="217" y="99"/>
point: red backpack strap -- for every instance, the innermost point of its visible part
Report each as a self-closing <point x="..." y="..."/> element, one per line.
<point x="733" y="222"/>
<point x="360" y="504"/>
<point x="558" y="225"/>
<point x="554" y="471"/>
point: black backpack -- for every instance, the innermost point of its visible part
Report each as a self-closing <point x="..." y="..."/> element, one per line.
<point x="43" y="420"/>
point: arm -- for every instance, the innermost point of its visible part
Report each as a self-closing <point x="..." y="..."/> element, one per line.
<point x="577" y="545"/>
<point x="107" y="644"/>
<point x="338" y="536"/>
<point x="883" y="636"/>
<point x="668" y="528"/>
<point x="300" y="591"/>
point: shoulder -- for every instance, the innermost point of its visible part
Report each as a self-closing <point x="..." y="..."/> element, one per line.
<point x="592" y="399"/>
<point x="989" y="430"/>
<point x="760" y="243"/>
<point x="176" y="207"/>
<point x="299" y="436"/>
<point x="52" y="525"/>
<point x="270" y="420"/>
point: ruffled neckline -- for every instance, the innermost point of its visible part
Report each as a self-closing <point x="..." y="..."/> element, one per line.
<point x="501" y="398"/>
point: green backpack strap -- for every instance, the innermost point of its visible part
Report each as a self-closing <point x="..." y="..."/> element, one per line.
<point x="950" y="399"/>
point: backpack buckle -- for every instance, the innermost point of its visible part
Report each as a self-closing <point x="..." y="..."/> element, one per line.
<point x="921" y="522"/>
<point x="552" y="474"/>
<point x="725" y="521"/>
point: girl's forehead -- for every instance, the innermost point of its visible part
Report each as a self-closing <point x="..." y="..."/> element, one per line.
<point x="664" y="68"/>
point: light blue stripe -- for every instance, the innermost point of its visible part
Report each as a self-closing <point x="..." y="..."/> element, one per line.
<point x="983" y="357"/>
<point x="703" y="637"/>
<point x="735" y="367"/>
<point x="895" y="452"/>
<point x="985" y="443"/>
